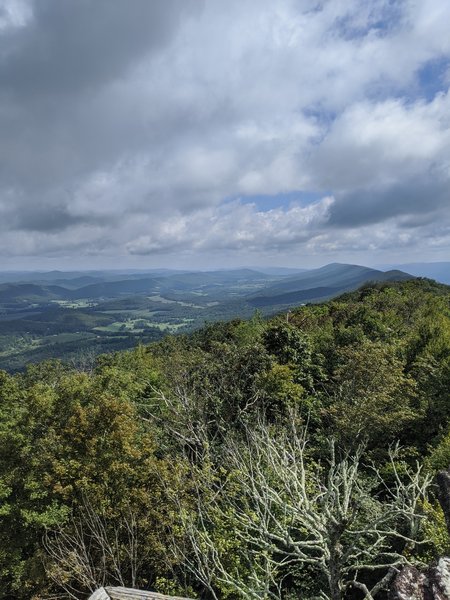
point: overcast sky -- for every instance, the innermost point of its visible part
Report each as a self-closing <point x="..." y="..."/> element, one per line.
<point x="209" y="133"/>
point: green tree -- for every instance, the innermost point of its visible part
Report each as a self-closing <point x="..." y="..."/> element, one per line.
<point x="371" y="397"/>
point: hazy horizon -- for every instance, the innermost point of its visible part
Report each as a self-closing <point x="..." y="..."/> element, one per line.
<point x="381" y="267"/>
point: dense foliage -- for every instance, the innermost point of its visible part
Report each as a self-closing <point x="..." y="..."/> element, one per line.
<point x="157" y="467"/>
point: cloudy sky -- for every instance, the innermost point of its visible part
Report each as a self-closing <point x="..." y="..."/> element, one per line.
<point x="213" y="133"/>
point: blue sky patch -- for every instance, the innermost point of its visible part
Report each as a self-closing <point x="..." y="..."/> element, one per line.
<point x="432" y="77"/>
<point x="382" y="21"/>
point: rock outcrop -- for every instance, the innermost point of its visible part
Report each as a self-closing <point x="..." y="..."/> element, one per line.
<point x="443" y="485"/>
<point x="434" y="582"/>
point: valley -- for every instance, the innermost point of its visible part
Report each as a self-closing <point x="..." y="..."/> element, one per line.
<point x="77" y="315"/>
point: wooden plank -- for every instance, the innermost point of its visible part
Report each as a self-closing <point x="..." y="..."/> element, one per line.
<point x="121" y="593"/>
<point x="100" y="594"/>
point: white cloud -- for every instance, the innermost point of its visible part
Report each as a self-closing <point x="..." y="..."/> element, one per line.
<point x="137" y="150"/>
<point x="14" y="13"/>
<point x="234" y="226"/>
<point x="383" y="142"/>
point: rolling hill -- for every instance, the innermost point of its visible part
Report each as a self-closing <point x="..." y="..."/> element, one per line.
<point x="30" y="292"/>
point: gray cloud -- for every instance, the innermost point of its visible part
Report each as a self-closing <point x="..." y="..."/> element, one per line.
<point x="418" y="199"/>
<point x="54" y="218"/>
<point x="59" y="117"/>
<point x="127" y="124"/>
<point x="70" y="46"/>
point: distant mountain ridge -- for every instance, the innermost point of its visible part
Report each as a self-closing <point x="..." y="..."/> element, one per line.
<point x="440" y="271"/>
<point x="30" y="292"/>
<point x="321" y="284"/>
<point x="307" y="286"/>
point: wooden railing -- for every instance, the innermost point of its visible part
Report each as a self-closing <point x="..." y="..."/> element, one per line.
<point x="121" y="593"/>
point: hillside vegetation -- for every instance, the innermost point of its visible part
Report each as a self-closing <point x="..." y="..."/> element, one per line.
<point x="281" y="458"/>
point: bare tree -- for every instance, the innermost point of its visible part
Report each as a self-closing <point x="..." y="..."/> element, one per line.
<point x="88" y="553"/>
<point x="286" y="513"/>
<point x="84" y="360"/>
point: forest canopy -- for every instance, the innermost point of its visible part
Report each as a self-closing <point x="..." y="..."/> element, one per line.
<point x="281" y="458"/>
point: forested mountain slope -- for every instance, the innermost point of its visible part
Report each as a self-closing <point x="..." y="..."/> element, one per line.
<point x="321" y="284"/>
<point x="287" y="458"/>
<point x="331" y="275"/>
